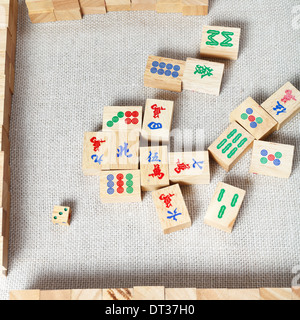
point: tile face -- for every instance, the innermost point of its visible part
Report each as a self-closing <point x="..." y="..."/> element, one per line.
<point x="61" y="215"/>
<point x="124" y="152"/>
<point x="171" y="209"/>
<point x="181" y="294"/>
<point x="154" y="167"/>
<point x="122" y="118"/>
<point x="158" y="120"/>
<point x="117" y="294"/>
<point x="224" y="207"/>
<point x="203" y="76"/>
<point x="272" y="159"/>
<point x="195" y="7"/>
<point x="252" y="117"/>
<point x="189" y="167"/>
<point x="120" y="186"/>
<point x="284" y="104"/>
<point x="275" y="293"/>
<point x="149" y="293"/>
<point x="164" y="73"/>
<point x="220" y="42"/>
<point x="96" y="152"/>
<point x="231" y="146"/>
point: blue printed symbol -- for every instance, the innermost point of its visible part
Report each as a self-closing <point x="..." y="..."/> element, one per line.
<point x="159" y="69"/>
<point x="154" y="125"/>
<point x="123" y="149"/>
<point x="280" y="108"/>
<point x="110" y="184"/>
<point x="174" y="214"/>
<point x="197" y="164"/>
<point x="97" y="159"/>
<point x="153" y="158"/>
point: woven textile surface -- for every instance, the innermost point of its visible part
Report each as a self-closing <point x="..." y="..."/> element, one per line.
<point x="65" y="73"/>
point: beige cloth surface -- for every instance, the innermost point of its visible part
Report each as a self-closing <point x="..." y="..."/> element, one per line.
<point x="65" y="73"/>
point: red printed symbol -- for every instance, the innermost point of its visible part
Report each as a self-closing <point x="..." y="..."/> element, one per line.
<point x="166" y="199"/>
<point x="120" y="183"/>
<point x="96" y="143"/>
<point x="157" y="110"/>
<point x="134" y="115"/>
<point x="181" y="167"/>
<point x="288" y="96"/>
<point x="157" y="172"/>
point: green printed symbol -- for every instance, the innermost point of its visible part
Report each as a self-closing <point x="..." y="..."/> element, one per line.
<point x="227" y="148"/>
<point x="212" y="41"/>
<point x="115" y="119"/>
<point x="232" y="133"/>
<point x="232" y="152"/>
<point x="234" y="200"/>
<point x="221" y="144"/>
<point x="221" y="212"/>
<point x="225" y="43"/>
<point x="227" y="35"/>
<point x="221" y="195"/>
<point x="129" y="183"/>
<point x="235" y="136"/>
<point x="236" y="139"/>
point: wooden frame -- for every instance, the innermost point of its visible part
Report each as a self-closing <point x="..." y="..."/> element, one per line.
<point x="9" y="19"/>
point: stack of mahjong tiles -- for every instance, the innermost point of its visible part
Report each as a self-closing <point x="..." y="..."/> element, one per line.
<point x="41" y="11"/>
<point x="125" y="168"/>
<point x="8" y="40"/>
<point x="196" y="74"/>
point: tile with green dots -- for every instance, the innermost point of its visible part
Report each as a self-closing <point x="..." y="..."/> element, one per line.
<point x="272" y="159"/>
<point x="61" y="215"/>
<point x="122" y="118"/>
<point x="252" y="117"/>
<point x="120" y="186"/>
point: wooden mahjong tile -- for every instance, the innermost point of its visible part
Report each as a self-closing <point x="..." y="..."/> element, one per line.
<point x="120" y="186"/>
<point x="158" y="120"/>
<point x="251" y="116"/>
<point x="231" y="146"/>
<point x="284" y="104"/>
<point x="154" y="167"/>
<point x="124" y="150"/>
<point x="272" y="159"/>
<point x="220" y="42"/>
<point x="164" y="73"/>
<point x="203" y="76"/>
<point x="96" y="152"/>
<point x="171" y="209"/>
<point x="224" y="207"/>
<point x="189" y="167"/>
